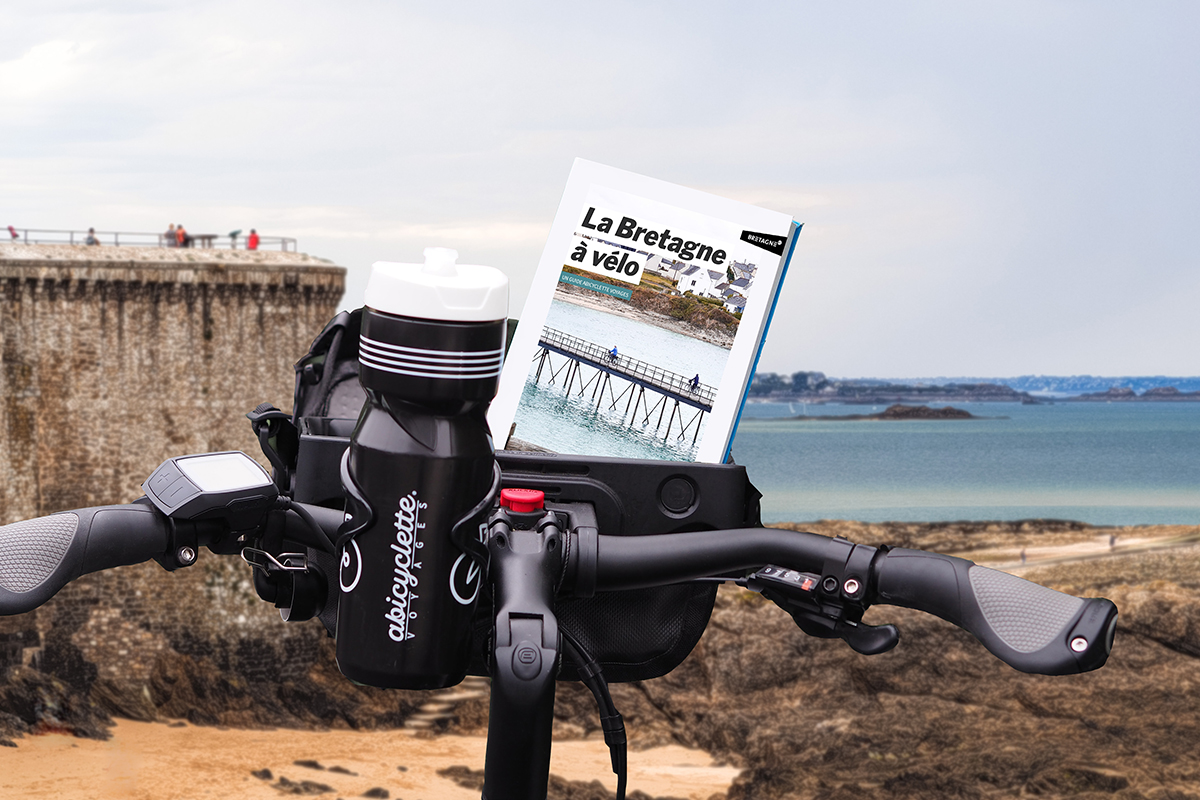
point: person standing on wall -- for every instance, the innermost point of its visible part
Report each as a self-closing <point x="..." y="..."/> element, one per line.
<point x="91" y="237"/>
<point x="252" y="240"/>
<point x="169" y="238"/>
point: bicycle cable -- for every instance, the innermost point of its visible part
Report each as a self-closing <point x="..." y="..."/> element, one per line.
<point x="321" y="539"/>
<point x="610" y="719"/>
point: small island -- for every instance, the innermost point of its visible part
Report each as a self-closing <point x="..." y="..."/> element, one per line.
<point x="900" y="411"/>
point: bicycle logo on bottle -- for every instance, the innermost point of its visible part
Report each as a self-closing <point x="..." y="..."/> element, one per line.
<point x="351" y="565"/>
<point x="465" y="575"/>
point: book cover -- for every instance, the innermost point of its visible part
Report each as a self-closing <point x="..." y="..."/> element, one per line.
<point x="644" y="321"/>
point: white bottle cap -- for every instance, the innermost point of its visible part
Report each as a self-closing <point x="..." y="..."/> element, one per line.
<point x="439" y="289"/>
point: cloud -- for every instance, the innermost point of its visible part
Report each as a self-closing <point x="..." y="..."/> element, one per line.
<point x="970" y="177"/>
<point x="45" y="69"/>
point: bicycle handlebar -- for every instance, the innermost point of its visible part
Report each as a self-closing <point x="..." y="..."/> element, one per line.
<point x="40" y="556"/>
<point x="1028" y="626"/>
<point x="639" y="562"/>
<point x="1024" y="624"/>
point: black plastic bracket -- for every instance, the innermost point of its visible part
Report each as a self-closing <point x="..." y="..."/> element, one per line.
<point x="279" y="440"/>
<point x="182" y="548"/>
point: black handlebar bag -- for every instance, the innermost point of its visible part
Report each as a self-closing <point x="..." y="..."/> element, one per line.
<point x="634" y="634"/>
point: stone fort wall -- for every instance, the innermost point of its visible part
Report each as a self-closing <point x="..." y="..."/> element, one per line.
<point x="108" y="368"/>
<point x="109" y="363"/>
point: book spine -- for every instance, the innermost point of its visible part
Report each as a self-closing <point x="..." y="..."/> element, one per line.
<point x="787" y="261"/>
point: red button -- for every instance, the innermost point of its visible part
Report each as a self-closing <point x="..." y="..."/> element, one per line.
<point x="522" y="500"/>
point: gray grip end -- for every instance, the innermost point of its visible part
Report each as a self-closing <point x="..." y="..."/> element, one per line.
<point x="1039" y="630"/>
<point x="1025" y="616"/>
<point x="31" y="551"/>
<point x="1029" y="627"/>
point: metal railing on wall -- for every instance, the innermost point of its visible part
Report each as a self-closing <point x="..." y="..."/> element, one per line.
<point x="229" y="241"/>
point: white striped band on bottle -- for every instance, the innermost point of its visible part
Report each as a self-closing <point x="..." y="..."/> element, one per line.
<point x="420" y="362"/>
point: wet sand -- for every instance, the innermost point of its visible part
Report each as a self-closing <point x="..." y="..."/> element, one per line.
<point x="153" y="761"/>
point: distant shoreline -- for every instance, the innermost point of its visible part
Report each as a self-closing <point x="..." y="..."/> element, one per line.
<point x="1188" y="397"/>
<point x="816" y="387"/>
<point x="893" y="414"/>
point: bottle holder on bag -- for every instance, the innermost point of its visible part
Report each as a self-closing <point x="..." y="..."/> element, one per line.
<point x="634" y="634"/>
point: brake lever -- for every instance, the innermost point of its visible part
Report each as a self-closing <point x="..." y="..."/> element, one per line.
<point x="867" y="639"/>
<point x="822" y="616"/>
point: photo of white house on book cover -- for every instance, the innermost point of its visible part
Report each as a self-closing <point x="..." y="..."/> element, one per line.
<point x="643" y="323"/>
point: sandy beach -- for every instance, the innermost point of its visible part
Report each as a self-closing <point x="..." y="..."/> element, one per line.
<point x="151" y="761"/>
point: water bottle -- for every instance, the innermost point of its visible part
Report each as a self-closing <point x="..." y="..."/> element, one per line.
<point x="420" y="458"/>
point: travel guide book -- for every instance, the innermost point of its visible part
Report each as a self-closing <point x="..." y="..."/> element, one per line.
<point x="644" y="321"/>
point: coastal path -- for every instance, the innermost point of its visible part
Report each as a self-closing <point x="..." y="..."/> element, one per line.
<point x="1112" y="542"/>
<point x="639" y="377"/>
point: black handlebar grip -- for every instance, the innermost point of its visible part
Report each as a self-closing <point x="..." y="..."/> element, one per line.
<point x="1024" y="624"/>
<point x="40" y="556"/>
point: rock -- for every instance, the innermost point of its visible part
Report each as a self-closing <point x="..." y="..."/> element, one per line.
<point x="557" y="788"/>
<point x="464" y="776"/>
<point x="1076" y="780"/>
<point x="308" y="763"/>
<point x="127" y="699"/>
<point x="303" y="787"/>
<point x="939" y="716"/>
<point x="263" y="774"/>
<point x="896" y="411"/>
<point x="899" y="411"/>
<point x="33" y="702"/>
<point x="377" y="792"/>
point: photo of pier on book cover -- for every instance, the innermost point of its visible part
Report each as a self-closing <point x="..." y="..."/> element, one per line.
<point x="646" y="315"/>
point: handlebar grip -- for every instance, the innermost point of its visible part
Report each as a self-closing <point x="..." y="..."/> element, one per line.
<point x="40" y="556"/>
<point x="1024" y="624"/>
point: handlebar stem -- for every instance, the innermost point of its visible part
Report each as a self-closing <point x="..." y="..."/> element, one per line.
<point x="525" y="570"/>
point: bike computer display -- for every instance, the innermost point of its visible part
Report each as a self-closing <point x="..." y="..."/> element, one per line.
<point x="228" y="485"/>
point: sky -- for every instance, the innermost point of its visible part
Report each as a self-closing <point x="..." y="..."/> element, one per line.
<point x="987" y="189"/>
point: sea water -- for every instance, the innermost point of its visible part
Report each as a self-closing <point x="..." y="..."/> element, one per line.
<point x="1101" y="463"/>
